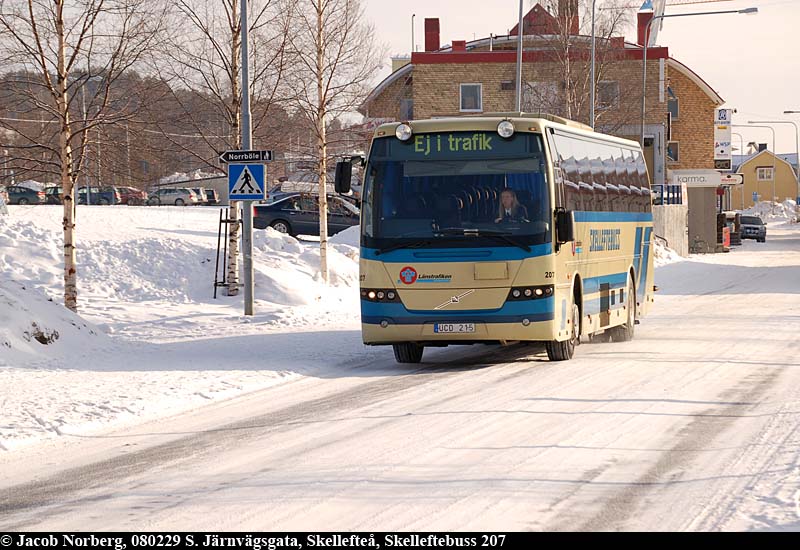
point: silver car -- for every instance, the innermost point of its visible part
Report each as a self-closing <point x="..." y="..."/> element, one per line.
<point x="179" y="196"/>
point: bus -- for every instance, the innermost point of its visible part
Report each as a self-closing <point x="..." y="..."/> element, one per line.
<point x="502" y="229"/>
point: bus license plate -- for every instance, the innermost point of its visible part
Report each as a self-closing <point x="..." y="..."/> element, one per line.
<point x="455" y="328"/>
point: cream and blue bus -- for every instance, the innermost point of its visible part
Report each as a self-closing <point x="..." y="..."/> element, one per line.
<point x="502" y="229"/>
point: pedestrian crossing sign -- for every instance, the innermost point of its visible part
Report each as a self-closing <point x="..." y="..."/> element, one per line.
<point x="246" y="182"/>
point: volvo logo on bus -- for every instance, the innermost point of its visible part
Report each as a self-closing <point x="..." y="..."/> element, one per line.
<point x="408" y="275"/>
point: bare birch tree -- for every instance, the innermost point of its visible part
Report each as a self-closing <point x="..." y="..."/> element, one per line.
<point x="205" y="54"/>
<point x="335" y="58"/>
<point x="57" y="47"/>
<point x="569" y="97"/>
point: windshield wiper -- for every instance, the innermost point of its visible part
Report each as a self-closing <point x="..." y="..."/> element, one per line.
<point x="398" y="246"/>
<point x="470" y="232"/>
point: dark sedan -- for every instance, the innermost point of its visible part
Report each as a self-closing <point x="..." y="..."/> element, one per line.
<point x="298" y="214"/>
<point x="24" y="195"/>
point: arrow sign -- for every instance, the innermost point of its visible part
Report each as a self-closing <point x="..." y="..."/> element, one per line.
<point x="246" y="156"/>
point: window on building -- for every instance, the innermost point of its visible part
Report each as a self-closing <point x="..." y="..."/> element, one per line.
<point x="607" y="94"/>
<point x="673" y="151"/>
<point x="406" y="109"/>
<point x="541" y="97"/>
<point x="471" y="98"/>
<point x="764" y="173"/>
<point x="673" y="107"/>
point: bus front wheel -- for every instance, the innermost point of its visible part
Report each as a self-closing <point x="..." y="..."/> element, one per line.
<point x="563" y="351"/>
<point x="408" y="352"/>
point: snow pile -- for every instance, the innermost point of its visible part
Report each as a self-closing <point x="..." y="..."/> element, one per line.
<point x="663" y="255"/>
<point x="185" y="176"/>
<point x="167" y="265"/>
<point x="33" y="327"/>
<point x="287" y="272"/>
<point x="350" y="236"/>
<point x="145" y="277"/>
<point x="774" y="211"/>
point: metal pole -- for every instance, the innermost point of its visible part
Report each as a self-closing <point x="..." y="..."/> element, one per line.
<point x="797" y="147"/>
<point x="519" y="60"/>
<point x="741" y="152"/>
<point x="413" y="44"/>
<point x="770" y="128"/>
<point x="644" y="74"/>
<point x="247" y="207"/>
<point x="592" y="84"/>
<point x="796" y="142"/>
<point x="86" y="143"/>
<point x="647" y="37"/>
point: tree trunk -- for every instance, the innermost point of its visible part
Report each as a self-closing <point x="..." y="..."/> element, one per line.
<point x="236" y="137"/>
<point x="322" y="147"/>
<point x="67" y="181"/>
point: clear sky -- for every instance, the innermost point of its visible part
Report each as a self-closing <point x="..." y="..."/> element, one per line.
<point x="752" y="61"/>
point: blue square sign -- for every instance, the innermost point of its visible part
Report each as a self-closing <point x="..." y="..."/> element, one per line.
<point x="246" y="182"/>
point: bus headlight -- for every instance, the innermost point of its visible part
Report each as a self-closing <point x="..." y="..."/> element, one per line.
<point x="505" y="129"/>
<point x="403" y="132"/>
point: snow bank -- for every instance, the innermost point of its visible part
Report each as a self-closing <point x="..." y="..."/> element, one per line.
<point x="663" y="255"/>
<point x="33" y="327"/>
<point x="774" y="211"/>
<point x="154" y="341"/>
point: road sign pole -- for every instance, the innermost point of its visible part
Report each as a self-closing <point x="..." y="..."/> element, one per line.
<point x="247" y="218"/>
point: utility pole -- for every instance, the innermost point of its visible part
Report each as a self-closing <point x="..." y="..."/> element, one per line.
<point x="247" y="218"/>
<point x="519" y="59"/>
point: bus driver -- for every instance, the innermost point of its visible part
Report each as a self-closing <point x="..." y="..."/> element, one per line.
<point x="510" y="210"/>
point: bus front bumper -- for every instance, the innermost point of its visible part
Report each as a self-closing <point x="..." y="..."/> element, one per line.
<point x="391" y="333"/>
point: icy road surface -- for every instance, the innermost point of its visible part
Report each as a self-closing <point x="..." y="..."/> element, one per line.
<point x="695" y="425"/>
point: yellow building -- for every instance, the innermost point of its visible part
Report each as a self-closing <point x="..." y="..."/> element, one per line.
<point x="765" y="173"/>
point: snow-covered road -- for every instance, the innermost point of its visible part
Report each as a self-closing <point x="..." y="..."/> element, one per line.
<point x="695" y="425"/>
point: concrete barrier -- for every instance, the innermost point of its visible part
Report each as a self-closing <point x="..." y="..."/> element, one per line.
<point x="671" y="222"/>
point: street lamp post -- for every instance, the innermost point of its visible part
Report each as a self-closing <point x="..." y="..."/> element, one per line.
<point x="413" y="15"/>
<point x="741" y="152"/>
<point x="646" y="39"/>
<point x="796" y="142"/>
<point x="519" y="59"/>
<point x="797" y="160"/>
<point x="770" y="128"/>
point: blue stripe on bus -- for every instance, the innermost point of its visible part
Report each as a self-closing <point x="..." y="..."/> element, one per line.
<point x="640" y="288"/>
<point x="421" y="320"/>
<point x="637" y="253"/>
<point x="613" y="216"/>
<point x="455" y="255"/>
<point x="615" y="281"/>
<point x="516" y="308"/>
<point x="593" y="307"/>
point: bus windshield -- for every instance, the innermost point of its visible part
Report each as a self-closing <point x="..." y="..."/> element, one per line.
<point x="466" y="188"/>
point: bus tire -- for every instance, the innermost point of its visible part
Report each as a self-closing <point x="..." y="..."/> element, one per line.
<point x="564" y="351"/>
<point x="624" y="333"/>
<point x="408" y="352"/>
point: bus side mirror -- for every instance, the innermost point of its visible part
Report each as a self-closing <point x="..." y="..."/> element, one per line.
<point x="344" y="174"/>
<point x="565" y="226"/>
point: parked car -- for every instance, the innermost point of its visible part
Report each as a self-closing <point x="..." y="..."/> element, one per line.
<point x="24" y="195"/>
<point x="179" y="196"/>
<point x="99" y="195"/>
<point x="53" y="195"/>
<point x="753" y="227"/>
<point x="202" y="197"/>
<point x="298" y="214"/>
<point x="212" y="197"/>
<point x="132" y="196"/>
